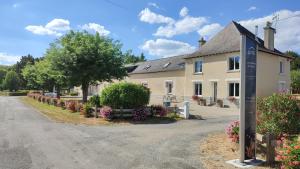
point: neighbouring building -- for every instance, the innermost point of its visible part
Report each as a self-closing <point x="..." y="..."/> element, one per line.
<point x="213" y="71"/>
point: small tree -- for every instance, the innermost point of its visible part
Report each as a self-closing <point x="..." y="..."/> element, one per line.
<point x="87" y="59"/>
<point x="11" y="81"/>
<point x="295" y="81"/>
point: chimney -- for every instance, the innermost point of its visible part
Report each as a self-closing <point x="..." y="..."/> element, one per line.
<point x="269" y="36"/>
<point x="201" y="42"/>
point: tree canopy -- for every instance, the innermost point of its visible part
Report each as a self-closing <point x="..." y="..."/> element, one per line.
<point x="88" y="58"/>
<point x="295" y="64"/>
<point x="129" y="57"/>
<point x="11" y="81"/>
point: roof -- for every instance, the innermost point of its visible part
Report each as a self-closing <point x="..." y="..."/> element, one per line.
<point x="228" y="40"/>
<point x="160" y="65"/>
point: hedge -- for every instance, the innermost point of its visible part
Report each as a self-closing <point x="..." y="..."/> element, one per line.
<point x="125" y="95"/>
<point x="17" y="93"/>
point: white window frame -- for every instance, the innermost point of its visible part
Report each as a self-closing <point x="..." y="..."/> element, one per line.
<point x="234" y="68"/>
<point x="281" y="67"/>
<point x="201" y="71"/>
<point x="194" y="86"/>
<point x="234" y="90"/>
<point x="144" y="83"/>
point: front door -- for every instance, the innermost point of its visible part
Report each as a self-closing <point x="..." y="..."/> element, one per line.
<point x="215" y="91"/>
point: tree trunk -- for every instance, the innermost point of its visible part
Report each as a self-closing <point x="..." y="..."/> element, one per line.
<point x="85" y="89"/>
<point x="58" y="92"/>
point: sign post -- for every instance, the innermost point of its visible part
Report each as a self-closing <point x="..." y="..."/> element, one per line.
<point x="247" y="132"/>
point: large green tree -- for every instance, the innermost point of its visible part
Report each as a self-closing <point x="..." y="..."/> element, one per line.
<point x="295" y="63"/>
<point x="89" y="58"/>
<point x="129" y="57"/>
<point x="11" y="81"/>
<point x="295" y="81"/>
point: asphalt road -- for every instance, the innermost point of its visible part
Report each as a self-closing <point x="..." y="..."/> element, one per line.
<point x="28" y="140"/>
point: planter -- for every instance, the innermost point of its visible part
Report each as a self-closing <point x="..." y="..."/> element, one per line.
<point x="220" y="103"/>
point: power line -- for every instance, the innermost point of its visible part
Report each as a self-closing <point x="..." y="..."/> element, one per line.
<point x="115" y="4"/>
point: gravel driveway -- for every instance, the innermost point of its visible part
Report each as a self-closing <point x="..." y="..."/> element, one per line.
<point x="30" y="140"/>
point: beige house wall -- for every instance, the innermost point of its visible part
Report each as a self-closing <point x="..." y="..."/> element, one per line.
<point x="214" y="69"/>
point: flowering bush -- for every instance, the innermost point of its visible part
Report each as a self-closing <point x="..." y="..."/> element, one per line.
<point x="289" y="155"/>
<point x="71" y="105"/>
<point x="139" y="114"/>
<point x="278" y="114"/>
<point x="87" y="110"/>
<point x="232" y="130"/>
<point x="61" y="103"/>
<point x="106" y="112"/>
<point x="159" y="110"/>
<point x="195" y="98"/>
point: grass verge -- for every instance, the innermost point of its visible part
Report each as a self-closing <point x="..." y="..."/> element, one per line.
<point x="65" y="116"/>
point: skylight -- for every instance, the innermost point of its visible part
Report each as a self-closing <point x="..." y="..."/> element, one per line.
<point x="167" y="64"/>
<point x="147" y="67"/>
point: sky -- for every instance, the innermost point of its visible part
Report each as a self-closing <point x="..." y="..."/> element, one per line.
<point x="157" y="28"/>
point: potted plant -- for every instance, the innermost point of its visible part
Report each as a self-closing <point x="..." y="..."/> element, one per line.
<point x="196" y="98"/>
<point x="220" y="102"/>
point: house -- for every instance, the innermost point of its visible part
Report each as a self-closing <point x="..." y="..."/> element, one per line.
<point x="213" y="71"/>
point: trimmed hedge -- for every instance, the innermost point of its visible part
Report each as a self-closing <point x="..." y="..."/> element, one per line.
<point x="17" y="93"/>
<point x="125" y="95"/>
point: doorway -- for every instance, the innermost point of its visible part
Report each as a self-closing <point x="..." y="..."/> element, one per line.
<point x="215" y="91"/>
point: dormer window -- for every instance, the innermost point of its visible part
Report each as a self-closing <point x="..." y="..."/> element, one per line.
<point x="147" y="67"/>
<point x="167" y="64"/>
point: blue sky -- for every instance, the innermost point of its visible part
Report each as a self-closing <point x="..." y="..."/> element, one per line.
<point x="157" y="28"/>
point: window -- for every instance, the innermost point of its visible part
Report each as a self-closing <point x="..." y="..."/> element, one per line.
<point x="167" y="64"/>
<point x="198" y="66"/>
<point x="198" y="88"/>
<point x="145" y="84"/>
<point x="234" y="63"/>
<point x="234" y="89"/>
<point x="281" y="67"/>
<point x="169" y="87"/>
<point x="281" y="87"/>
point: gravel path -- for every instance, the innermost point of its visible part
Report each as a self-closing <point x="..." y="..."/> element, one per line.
<point x="28" y="140"/>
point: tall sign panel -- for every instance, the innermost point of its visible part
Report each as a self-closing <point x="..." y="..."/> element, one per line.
<point x="248" y="98"/>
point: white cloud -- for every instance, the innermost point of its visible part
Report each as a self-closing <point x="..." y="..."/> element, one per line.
<point x="186" y="25"/>
<point x="252" y="8"/>
<point x="55" y="27"/>
<point x="148" y="16"/>
<point x="96" y="28"/>
<point x="166" y="48"/>
<point x="288" y="32"/>
<point x="153" y="5"/>
<point x="184" y="12"/>
<point x="58" y="25"/>
<point x="210" y="30"/>
<point x="6" y="59"/>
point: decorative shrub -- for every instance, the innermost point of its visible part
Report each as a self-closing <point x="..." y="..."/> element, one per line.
<point x="232" y="131"/>
<point x="289" y="154"/>
<point x="95" y="101"/>
<point x="125" y="95"/>
<point x="74" y="93"/>
<point x="39" y="98"/>
<point x="71" y="105"/>
<point x="106" y="112"/>
<point x="54" y="101"/>
<point x="278" y="114"/>
<point x="48" y="100"/>
<point x="159" y="110"/>
<point x="61" y="104"/>
<point x="195" y="98"/>
<point x="87" y="110"/>
<point x="140" y="114"/>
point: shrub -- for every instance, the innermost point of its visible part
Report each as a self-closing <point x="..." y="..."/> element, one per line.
<point x="232" y="131"/>
<point x="140" y="114"/>
<point x="74" y="93"/>
<point x="71" y="105"/>
<point x="48" y="100"/>
<point x="195" y="98"/>
<point x="61" y="103"/>
<point x="278" y="114"/>
<point x="289" y="154"/>
<point x="87" y="110"/>
<point x="54" y="101"/>
<point x="106" y="112"/>
<point x="95" y="101"/>
<point x="159" y="110"/>
<point x="125" y="95"/>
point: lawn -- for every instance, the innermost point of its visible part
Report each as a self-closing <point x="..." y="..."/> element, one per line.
<point x="65" y="116"/>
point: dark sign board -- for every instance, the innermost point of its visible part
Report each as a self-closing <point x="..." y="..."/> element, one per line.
<point x="248" y="97"/>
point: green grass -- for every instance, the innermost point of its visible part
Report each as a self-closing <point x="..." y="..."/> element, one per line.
<point x="65" y="116"/>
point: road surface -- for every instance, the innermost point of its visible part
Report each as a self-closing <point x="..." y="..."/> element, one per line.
<point x="28" y="140"/>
